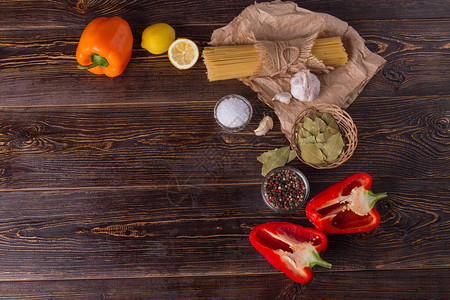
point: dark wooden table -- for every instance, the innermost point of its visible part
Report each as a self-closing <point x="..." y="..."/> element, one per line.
<point x="126" y="187"/>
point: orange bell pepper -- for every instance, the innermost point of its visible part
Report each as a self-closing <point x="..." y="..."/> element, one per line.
<point x="105" y="46"/>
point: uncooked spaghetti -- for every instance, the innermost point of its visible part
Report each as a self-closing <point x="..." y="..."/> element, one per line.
<point x="226" y="62"/>
<point x="330" y="51"/>
<point x="237" y="61"/>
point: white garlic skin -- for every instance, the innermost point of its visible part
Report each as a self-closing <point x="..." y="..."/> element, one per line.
<point x="265" y="125"/>
<point x="283" y="97"/>
<point x="305" y="86"/>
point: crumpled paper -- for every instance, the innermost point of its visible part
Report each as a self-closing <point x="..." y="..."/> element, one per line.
<point x="285" y="58"/>
<point x="282" y="21"/>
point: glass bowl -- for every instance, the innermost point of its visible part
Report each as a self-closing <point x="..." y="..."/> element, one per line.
<point x="286" y="193"/>
<point x="244" y="122"/>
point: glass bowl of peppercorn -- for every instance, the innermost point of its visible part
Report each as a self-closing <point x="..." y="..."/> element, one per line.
<point x="285" y="189"/>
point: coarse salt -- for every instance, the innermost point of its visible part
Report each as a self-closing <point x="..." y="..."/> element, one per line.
<point x="232" y="112"/>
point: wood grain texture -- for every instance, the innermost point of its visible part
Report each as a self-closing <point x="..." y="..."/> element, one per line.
<point x="146" y="145"/>
<point x="418" y="57"/>
<point x="201" y="230"/>
<point x="61" y="14"/>
<point x="404" y="284"/>
<point x="126" y="188"/>
<point x="38" y="68"/>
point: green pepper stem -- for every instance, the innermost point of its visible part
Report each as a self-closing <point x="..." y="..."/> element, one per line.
<point x="318" y="261"/>
<point x="97" y="60"/>
<point x="373" y="198"/>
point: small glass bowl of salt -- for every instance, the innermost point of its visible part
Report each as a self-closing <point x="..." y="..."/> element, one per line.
<point x="233" y="112"/>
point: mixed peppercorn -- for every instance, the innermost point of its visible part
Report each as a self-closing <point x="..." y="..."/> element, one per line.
<point x="284" y="189"/>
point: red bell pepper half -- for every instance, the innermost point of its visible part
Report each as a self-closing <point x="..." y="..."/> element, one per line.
<point x="291" y="248"/>
<point x="345" y="207"/>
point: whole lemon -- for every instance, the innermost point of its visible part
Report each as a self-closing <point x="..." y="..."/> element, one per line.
<point x="157" y="38"/>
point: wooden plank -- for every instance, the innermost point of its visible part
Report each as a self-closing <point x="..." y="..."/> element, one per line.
<point x="415" y="57"/>
<point x="147" y="145"/>
<point x="57" y="13"/>
<point x="202" y="231"/>
<point x="400" y="284"/>
<point x="39" y="68"/>
<point x="111" y="187"/>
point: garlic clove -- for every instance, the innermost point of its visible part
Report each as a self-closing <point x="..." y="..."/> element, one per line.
<point x="283" y="97"/>
<point x="305" y="86"/>
<point x="264" y="126"/>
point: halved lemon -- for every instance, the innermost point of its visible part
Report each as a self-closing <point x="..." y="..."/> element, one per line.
<point x="183" y="53"/>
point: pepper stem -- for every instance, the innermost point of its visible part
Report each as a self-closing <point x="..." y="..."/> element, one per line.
<point x="373" y="198"/>
<point x="318" y="261"/>
<point x="97" y="60"/>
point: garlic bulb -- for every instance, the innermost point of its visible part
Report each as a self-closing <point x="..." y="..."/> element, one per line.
<point x="264" y="126"/>
<point x="283" y="97"/>
<point x="305" y="86"/>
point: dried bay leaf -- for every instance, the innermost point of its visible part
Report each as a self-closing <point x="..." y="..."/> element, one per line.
<point x="322" y="125"/>
<point x="332" y="148"/>
<point x="333" y="124"/>
<point x="263" y="157"/>
<point x="307" y="140"/>
<point x="266" y="155"/>
<point x="314" y="114"/>
<point x="318" y="114"/>
<point x="308" y="124"/>
<point x="303" y="133"/>
<point x="327" y="118"/>
<point x="331" y="131"/>
<point x="276" y="158"/>
<point x="320" y="145"/>
<point x="312" y="154"/>
<point x="292" y="156"/>
<point x="315" y="128"/>
<point x="321" y="138"/>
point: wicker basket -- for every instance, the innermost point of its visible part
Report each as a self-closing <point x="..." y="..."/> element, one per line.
<point x="346" y="126"/>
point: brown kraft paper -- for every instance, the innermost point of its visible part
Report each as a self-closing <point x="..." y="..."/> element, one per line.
<point x="283" y="21"/>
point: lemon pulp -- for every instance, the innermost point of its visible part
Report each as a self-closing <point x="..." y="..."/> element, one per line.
<point x="183" y="53"/>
